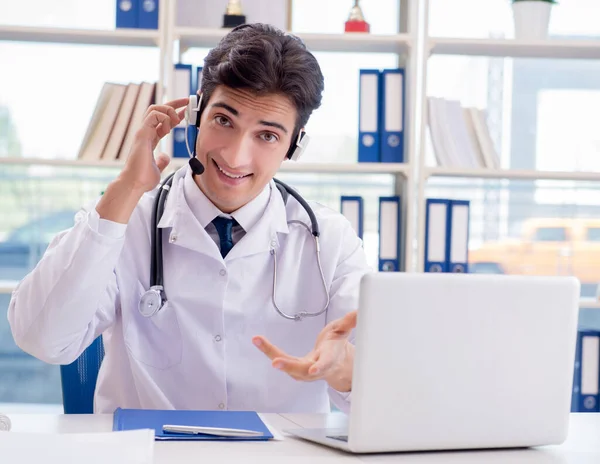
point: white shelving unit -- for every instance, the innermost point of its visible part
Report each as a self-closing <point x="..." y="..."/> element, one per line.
<point x="507" y="48"/>
<point x="414" y="47"/>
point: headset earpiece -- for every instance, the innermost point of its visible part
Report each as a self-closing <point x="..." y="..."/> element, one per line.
<point x="192" y="112"/>
<point x="298" y="148"/>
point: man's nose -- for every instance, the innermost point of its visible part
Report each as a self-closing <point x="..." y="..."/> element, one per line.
<point x="239" y="152"/>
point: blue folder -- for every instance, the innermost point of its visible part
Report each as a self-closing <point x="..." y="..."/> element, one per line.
<point x="133" y="419"/>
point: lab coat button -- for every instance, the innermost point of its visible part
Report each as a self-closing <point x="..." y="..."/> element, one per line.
<point x="218" y="338"/>
<point x="221" y="406"/>
<point x="173" y="238"/>
<point x="222" y="272"/>
<point x="273" y="243"/>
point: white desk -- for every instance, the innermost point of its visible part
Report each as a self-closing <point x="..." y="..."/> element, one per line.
<point x="582" y="446"/>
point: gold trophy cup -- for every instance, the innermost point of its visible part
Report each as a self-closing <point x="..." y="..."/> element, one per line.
<point x="233" y="15"/>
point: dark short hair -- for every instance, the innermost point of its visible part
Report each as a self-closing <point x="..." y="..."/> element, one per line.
<point x="263" y="59"/>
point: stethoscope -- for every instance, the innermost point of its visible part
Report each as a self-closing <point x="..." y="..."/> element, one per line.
<point x="153" y="299"/>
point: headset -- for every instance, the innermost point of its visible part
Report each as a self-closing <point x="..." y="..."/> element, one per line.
<point x="193" y="112"/>
<point x="155" y="298"/>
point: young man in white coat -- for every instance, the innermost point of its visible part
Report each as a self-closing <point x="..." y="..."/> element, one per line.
<point x="220" y="341"/>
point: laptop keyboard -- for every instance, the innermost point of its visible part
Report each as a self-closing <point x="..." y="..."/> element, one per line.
<point x="339" y="437"/>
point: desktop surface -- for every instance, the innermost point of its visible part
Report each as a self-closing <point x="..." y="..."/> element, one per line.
<point x="582" y="445"/>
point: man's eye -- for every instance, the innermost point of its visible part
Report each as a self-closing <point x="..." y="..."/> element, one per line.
<point x="222" y="120"/>
<point x="269" y="137"/>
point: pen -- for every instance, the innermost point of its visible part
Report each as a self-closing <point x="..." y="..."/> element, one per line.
<point x="216" y="431"/>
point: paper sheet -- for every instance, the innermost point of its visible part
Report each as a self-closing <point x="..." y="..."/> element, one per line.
<point x="129" y="447"/>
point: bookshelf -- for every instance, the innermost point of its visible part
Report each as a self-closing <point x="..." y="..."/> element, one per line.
<point x="413" y="45"/>
<point x="551" y="48"/>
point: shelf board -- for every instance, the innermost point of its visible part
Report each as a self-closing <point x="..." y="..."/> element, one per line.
<point x="550" y="48"/>
<point x="331" y="168"/>
<point x="323" y="168"/>
<point x="512" y="174"/>
<point x="75" y="163"/>
<point x="132" y="37"/>
<point x="342" y="42"/>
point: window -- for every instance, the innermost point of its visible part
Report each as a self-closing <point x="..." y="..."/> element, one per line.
<point x="593" y="234"/>
<point x="550" y="234"/>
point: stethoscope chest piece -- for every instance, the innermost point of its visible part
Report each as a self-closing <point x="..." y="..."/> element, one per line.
<point x="151" y="301"/>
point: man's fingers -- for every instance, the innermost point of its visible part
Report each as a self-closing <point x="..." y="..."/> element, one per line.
<point x="297" y="368"/>
<point x="345" y="325"/>
<point x="323" y="364"/>
<point x="162" y="161"/>
<point x="268" y="348"/>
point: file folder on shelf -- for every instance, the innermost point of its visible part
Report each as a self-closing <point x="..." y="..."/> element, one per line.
<point x="352" y="209"/>
<point x="132" y="419"/>
<point x="588" y="353"/>
<point x="183" y="86"/>
<point x="147" y="14"/>
<point x="369" y="109"/>
<point x="458" y="231"/>
<point x="389" y="234"/>
<point x="127" y="14"/>
<point x="392" y="124"/>
<point x="436" y="235"/>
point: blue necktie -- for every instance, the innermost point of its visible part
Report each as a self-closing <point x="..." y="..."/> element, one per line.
<point x="224" y="227"/>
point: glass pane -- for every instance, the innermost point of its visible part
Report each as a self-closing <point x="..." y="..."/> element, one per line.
<point x="593" y="234"/>
<point x="495" y="19"/>
<point x="24" y="379"/>
<point x="550" y="234"/>
<point x="541" y="114"/>
<point x="513" y="233"/>
<point x="46" y="106"/>
<point x="37" y="203"/>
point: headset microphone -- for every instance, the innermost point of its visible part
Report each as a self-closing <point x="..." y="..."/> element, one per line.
<point x="197" y="166"/>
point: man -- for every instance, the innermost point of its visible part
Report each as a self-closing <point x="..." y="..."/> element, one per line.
<point x="220" y="340"/>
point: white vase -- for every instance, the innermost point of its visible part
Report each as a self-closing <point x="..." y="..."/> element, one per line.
<point x="532" y="19"/>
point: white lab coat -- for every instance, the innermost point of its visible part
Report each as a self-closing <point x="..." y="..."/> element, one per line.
<point x="196" y="353"/>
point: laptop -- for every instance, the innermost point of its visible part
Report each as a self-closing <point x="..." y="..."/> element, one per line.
<point x="459" y="361"/>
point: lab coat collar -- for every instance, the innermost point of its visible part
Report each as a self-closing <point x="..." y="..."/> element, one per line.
<point x="186" y="231"/>
<point x="205" y="211"/>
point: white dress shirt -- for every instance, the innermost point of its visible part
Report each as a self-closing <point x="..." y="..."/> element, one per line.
<point x="196" y="353"/>
<point x="205" y="211"/>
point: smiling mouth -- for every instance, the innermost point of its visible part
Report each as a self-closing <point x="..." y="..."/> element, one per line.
<point x="231" y="176"/>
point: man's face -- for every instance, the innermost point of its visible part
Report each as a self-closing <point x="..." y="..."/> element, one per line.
<point x="242" y="141"/>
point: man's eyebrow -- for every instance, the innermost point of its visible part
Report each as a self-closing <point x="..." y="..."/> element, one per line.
<point x="227" y="107"/>
<point x="274" y="124"/>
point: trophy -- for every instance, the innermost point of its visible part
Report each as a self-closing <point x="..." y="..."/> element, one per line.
<point x="356" y="20"/>
<point x="233" y="15"/>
